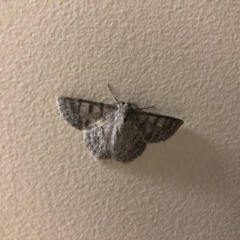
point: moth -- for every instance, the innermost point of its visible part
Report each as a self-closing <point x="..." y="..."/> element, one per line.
<point x="120" y="131"/>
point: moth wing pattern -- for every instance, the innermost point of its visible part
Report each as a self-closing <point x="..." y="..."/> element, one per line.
<point x="83" y="114"/>
<point x="155" y="127"/>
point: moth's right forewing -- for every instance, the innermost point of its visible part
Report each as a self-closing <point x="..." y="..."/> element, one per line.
<point x="84" y="114"/>
<point x="155" y="128"/>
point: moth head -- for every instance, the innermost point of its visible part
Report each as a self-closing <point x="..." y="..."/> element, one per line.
<point x="123" y="105"/>
<point x="127" y="105"/>
<point x="124" y="109"/>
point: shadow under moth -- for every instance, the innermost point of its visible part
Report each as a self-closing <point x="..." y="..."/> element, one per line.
<point x="121" y="131"/>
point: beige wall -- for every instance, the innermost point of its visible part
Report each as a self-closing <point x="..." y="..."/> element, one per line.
<point x="180" y="56"/>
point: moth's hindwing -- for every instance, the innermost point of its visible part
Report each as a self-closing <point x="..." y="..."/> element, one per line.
<point x="84" y="114"/>
<point x="123" y="143"/>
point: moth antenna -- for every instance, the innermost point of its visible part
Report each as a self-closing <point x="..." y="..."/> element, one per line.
<point x="112" y="94"/>
<point x="145" y="108"/>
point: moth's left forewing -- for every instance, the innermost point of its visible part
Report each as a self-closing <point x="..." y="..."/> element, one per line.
<point x="83" y="114"/>
<point x="155" y="128"/>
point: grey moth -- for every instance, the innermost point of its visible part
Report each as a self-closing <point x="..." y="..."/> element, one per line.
<point x="120" y="131"/>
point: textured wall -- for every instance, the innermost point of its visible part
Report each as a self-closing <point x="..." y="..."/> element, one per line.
<point x="181" y="56"/>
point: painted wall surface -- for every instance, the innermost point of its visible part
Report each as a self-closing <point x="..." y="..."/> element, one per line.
<point x="183" y="57"/>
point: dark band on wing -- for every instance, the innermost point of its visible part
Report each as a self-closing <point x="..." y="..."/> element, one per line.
<point x="165" y="125"/>
<point x="80" y="104"/>
<point x="156" y="120"/>
<point x="142" y="124"/>
<point x="103" y="132"/>
<point x="101" y="109"/>
<point x="90" y="108"/>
